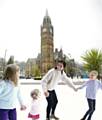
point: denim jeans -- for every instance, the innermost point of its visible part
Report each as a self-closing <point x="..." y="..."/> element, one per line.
<point x="89" y="113"/>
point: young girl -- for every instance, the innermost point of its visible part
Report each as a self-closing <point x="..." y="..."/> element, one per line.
<point x="35" y="111"/>
<point x="9" y="93"/>
<point x="92" y="85"/>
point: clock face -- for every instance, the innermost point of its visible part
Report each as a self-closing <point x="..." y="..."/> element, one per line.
<point x="44" y="30"/>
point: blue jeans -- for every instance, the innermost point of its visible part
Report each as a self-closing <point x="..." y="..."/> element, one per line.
<point x="8" y="114"/>
<point x="89" y="113"/>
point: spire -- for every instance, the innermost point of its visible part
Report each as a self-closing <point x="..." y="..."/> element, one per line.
<point x="46" y="19"/>
<point x="47" y="13"/>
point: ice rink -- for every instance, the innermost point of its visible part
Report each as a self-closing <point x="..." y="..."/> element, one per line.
<point x="71" y="105"/>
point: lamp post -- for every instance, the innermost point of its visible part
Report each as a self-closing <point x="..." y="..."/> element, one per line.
<point x="4" y="61"/>
<point x="67" y="59"/>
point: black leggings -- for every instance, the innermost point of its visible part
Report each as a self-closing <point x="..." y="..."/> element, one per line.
<point x="91" y="104"/>
<point x="52" y="102"/>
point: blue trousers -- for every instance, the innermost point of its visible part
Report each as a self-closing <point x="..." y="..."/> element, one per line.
<point x="8" y="114"/>
<point x="89" y="113"/>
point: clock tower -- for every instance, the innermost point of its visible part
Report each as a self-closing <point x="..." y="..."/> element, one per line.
<point x="47" y="44"/>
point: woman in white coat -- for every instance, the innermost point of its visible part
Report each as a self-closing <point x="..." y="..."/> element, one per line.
<point x="49" y="82"/>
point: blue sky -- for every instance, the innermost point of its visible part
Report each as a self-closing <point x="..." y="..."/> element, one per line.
<point x="77" y="26"/>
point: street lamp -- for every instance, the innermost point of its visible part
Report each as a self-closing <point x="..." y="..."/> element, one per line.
<point x="4" y="61"/>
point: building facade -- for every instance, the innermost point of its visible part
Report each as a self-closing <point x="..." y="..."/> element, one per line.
<point x="29" y="68"/>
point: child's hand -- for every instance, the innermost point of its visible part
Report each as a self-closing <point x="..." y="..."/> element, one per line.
<point x="76" y="89"/>
<point x="46" y="94"/>
<point x="23" y="107"/>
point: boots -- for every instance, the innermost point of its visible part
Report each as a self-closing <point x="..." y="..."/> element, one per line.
<point x="54" y="117"/>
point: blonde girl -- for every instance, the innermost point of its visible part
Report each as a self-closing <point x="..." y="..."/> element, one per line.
<point x="92" y="86"/>
<point x="35" y="105"/>
<point x="10" y="93"/>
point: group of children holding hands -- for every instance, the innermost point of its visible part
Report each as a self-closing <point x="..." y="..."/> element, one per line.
<point x="10" y="93"/>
